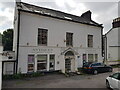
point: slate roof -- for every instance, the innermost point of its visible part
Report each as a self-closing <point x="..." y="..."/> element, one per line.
<point x="85" y="18"/>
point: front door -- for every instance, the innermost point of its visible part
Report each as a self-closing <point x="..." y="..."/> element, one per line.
<point x="67" y="65"/>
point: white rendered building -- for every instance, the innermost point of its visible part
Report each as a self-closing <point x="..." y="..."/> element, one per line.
<point x="50" y="40"/>
<point x="113" y="41"/>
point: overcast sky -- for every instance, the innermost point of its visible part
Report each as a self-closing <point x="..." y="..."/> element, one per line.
<point x="102" y="12"/>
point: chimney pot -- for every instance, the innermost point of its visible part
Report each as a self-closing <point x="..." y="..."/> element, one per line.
<point x="116" y="23"/>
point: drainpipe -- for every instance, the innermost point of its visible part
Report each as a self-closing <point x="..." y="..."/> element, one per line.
<point x="18" y="34"/>
<point x="102" y="42"/>
<point x="105" y="47"/>
<point x="1" y="66"/>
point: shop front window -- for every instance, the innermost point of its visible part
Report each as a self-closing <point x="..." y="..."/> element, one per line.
<point x="30" y="63"/>
<point x="84" y="59"/>
<point x="41" y="62"/>
<point x="90" y="58"/>
<point x="52" y="62"/>
<point x="96" y="57"/>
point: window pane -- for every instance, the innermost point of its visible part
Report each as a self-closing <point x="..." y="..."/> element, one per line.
<point x="90" y="57"/>
<point x="116" y="75"/>
<point x="42" y="36"/>
<point x="90" y="40"/>
<point x="41" y="62"/>
<point x="84" y="57"/>
<point x="69" y="39"/>
<point x="96" y="57"/>
<point x="41" y="57"/>
<point x="30" y="58"/>
<point x="52" y="57"/>
<point x="30" y="67"/>
<point x="41" y="66"/>
<point x="30" y="63"/>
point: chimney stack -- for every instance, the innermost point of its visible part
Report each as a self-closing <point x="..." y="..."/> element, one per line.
<point x="87" y="15"/>
<point x="116" y="22"/>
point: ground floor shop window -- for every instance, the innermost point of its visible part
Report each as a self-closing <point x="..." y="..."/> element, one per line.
<point x="90" y="58"/>
<point x="52" y="62"/>
<point x="41" y="62"/>
<point x="31" y="63"/>
<point x="96" y="57"/>
<point x="84" y="59"/>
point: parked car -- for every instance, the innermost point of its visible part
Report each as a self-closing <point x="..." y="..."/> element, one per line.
<point x="113" y="81"/>
<point x="95" y="68"/>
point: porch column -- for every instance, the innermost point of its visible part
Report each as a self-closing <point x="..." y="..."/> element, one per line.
<point x="62" y="64"/>
<point x="35" y="65"/>
<point x="48" y="61"/>
<point x="76" y="63"/>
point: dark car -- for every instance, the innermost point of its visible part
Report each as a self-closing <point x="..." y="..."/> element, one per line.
<point x="95" y="68"/>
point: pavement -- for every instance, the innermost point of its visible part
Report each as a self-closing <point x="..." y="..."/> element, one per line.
<point x="60" y="81"/>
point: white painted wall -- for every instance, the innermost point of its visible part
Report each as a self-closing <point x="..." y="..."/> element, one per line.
<point x="113" y="40"/>
<point x="15" y="31"/>
<point x="8" y="68"/>
<point x="57" y="29"/>
<point x="113" y="53"/>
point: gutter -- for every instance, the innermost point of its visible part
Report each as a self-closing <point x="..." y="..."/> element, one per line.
<point x="105" y="47"/>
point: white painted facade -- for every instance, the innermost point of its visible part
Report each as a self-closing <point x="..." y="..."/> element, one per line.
<point x="29" y="24"/>
<point x="113" y="44"/>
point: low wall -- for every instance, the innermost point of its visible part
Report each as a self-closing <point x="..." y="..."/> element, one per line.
<point x="112" y="62"/>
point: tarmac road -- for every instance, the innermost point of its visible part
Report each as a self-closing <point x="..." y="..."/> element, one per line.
<point x="60" y="81"/>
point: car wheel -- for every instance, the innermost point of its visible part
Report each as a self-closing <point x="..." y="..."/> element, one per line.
<point x="110" y="70"/>
<point x="95" y="72"/>
<point x="107" y="84"/>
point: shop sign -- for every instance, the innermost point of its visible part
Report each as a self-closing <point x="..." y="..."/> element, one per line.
<point x="42" y="50"/>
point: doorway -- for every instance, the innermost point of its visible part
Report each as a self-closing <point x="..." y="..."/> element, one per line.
<point x="67" y="65"/>
<point x="69" y="61"/>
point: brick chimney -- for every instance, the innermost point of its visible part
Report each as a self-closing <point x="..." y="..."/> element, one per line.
<point x="87" y="15"/>
<point x="116" y="22"/>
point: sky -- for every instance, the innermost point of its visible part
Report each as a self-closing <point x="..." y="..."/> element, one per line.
<point x="103" y="11"/>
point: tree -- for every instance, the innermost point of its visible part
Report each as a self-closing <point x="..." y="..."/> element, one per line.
<point x="7" y="40"/>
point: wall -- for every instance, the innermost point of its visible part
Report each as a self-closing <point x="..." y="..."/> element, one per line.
<point x="30" y="24"/>
<point x="113" y="53"/>
<point x="113" y="40"/>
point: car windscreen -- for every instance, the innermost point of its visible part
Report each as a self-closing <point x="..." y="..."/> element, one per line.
<point x="96" y="64"/>
<point x="87" y="64"/>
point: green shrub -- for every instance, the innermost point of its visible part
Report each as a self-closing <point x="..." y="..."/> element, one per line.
<point x="17" y="76"/>
<point x="21" y="76"/>
<point x="36" y="74"/>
